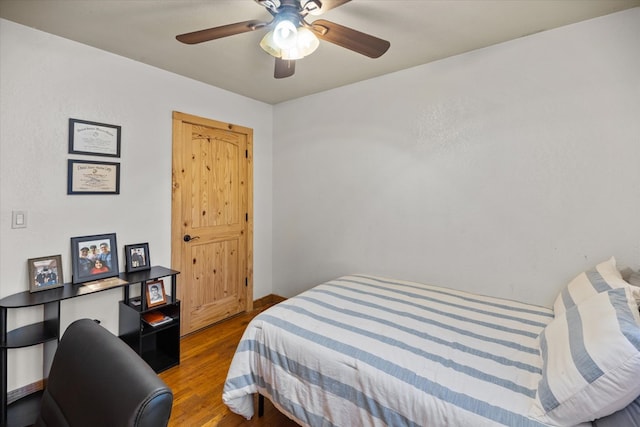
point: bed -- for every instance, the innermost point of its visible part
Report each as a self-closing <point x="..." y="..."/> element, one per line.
<point x="369" y="351"/>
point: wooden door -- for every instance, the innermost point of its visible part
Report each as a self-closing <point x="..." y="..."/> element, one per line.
<point x="211" y="219"/>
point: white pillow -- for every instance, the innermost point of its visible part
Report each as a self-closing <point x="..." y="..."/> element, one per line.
<point x="604" y="277"/>
<point x="591" y="360"/>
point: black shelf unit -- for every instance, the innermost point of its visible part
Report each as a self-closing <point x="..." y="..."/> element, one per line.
<point x="24" y="411"/>
<point x="47" y="332"/>
<point x="158" y="345"/>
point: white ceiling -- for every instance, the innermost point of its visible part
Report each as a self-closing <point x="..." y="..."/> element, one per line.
<point x="420" y="31"/>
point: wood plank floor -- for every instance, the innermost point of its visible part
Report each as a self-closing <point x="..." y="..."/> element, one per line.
<point x="197" y="382"/>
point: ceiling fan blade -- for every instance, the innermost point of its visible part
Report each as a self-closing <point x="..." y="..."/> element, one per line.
<point x="327" y="5"/>
<point x="220" y="32"/>
<point x="365" y="44"/>
<point x="284" y="68"/>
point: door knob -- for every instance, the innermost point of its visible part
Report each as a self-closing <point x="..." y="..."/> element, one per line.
<point x="188" y="238"/>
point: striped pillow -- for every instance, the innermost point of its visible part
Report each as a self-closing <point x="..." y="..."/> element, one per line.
<point x="604" y="277"/>
<point x="591" y="360"/>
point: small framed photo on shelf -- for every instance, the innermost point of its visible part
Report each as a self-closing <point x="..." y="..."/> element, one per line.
<point x="94" y="257"/>
<point x="155" y="293"/>
<point x="93" y="138"/>
<point x="45" y="273"/>
<point x="137" y="257"/>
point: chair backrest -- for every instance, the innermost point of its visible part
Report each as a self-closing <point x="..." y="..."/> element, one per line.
<point x="98" y="380"/>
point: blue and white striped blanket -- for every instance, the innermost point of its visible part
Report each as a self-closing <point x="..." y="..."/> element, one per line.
<point x="368" y="351"/>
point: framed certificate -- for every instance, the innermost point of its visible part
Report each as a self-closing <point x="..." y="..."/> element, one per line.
<point x="89" y="177"/>
<point x="97" y="139"/>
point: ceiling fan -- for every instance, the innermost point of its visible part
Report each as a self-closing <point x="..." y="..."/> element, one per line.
<point x="290" y="37"/>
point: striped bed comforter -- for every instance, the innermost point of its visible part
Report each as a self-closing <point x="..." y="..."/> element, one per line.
<point x="368" y="351"/>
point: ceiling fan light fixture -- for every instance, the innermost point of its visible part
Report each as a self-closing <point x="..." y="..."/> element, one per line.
<point x="285" y="34"/>
<point x="291" y="37"/>
<point x="268" y="45"/>
<point x="305" y="44"/>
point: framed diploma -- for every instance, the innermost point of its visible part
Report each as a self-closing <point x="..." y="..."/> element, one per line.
<point x="88" y="177"/>
<point x="97" y="139"/>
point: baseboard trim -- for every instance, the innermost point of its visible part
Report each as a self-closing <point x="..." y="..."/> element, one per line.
<point x="267" y="301"/>
<point x="24" y="391"/>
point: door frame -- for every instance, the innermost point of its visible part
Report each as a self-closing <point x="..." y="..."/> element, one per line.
<point x="177" y="231"/>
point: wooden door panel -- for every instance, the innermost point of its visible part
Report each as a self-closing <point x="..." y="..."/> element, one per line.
<point x="215" y="272"/>
<point x="215" y="157"/>
<point x="212" y="203"/>
<point x="217" y="290"/>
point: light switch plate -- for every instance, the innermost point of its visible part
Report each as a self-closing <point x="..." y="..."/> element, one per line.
<point x="19" y="219"/>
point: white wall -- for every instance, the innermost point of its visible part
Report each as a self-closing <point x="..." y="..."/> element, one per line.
<point x="504" y="171"/>
<point x="44" y="81"/>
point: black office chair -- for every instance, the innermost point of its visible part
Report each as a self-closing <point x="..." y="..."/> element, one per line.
<point x="97" y="380"/>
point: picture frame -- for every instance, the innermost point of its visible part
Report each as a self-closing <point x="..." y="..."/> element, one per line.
<point x="45" y="273"/>
<point x="92" y="177"/>
<point x="137" y="257"/>
<point x="155" y="293"/>
<point x="94" y="257"/>
<point x="93" y="138"/>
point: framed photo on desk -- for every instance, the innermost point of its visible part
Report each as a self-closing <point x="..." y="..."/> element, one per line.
<point x="94" y="257"/>
<point x="137" y="257"/>
<point x="45" y="273"/>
